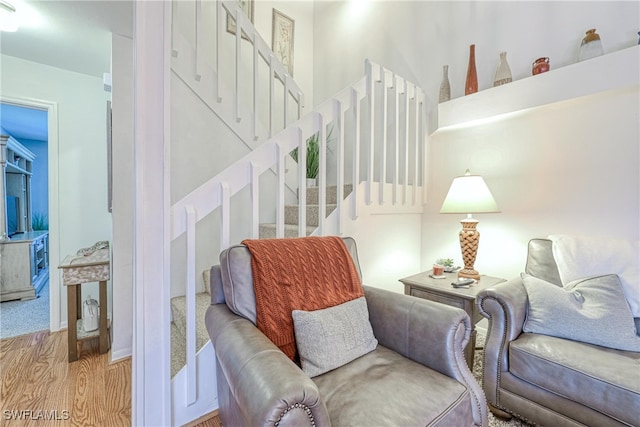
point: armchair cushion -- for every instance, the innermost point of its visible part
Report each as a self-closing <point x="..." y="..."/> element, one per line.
<point x="331" y="337"/>
<point x="592" y="310"/>
<point x="383" y="388"/>
<point x="604" y="379"/>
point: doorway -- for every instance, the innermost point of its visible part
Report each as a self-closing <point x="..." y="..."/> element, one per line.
<point x="41" y="138"/>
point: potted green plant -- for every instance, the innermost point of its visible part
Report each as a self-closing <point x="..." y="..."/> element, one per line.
<point x="447" y="263"/>
<point x="313" y="156"/>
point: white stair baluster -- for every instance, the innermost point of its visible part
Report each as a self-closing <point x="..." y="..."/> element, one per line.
<point x="407" y="130"/>
<point x="383" y="150"/>
<point x="198" y="48"/>
<point x="355" y="106"/>
<point x="225" y="215"/>
<point x="255" y="200"/>
<point x="338" y="119"/>
<point x="371" y="87"/>
<point x="322" y="174"/>
<point x="280" y="191"/>
<point x="191" y="305"/>
<point x="302" y="184"/>
<point x="239" y="19"/>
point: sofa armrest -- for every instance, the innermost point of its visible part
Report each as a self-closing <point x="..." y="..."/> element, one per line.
<point x="426" y="332"/>
<point x="505" y="305"/>
<point x="260" y="376"/>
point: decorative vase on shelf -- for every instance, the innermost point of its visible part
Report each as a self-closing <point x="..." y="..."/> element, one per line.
<point x="471" y="85"/>
<point x="445" y="87"/>
<point x="591" y="46"/>
<point x="540" y="65"/>
<point x="503" y="72"/>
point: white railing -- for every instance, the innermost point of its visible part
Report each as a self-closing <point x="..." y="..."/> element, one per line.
<point x="365" y="151"/>
<point x="236" y="74"/>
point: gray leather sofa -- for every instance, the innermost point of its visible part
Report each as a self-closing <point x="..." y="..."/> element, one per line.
<point x="416" y="376"/>
<point x="546" y="380"/>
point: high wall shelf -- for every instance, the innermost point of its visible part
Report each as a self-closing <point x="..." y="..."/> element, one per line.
<point x="612" y="71"/>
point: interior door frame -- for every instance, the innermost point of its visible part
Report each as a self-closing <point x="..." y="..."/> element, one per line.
<point x="51" y="107"/>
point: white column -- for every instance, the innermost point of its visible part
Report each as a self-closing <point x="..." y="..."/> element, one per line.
<point x="3" y="188"/>
<point x="151" y="392"/>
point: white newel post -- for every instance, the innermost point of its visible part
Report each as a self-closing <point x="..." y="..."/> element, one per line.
<point x="151" y="391"/>
<point x="3" y="189"/>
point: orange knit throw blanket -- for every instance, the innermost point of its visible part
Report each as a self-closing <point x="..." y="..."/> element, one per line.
<point x="307" y="273"/>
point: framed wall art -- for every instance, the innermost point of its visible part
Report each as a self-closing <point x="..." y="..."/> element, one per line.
<point x="247" y="8"/>
<point x="282" y="39"/>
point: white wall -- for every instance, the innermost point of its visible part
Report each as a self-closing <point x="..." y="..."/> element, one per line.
<point x="571" y="167"/>
<point x="82" y="168"/>
<point x="388" y="247"/>
<point x="123" y="184"/>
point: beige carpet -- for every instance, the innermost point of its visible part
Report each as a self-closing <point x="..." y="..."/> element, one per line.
<point x="477" y="372"/>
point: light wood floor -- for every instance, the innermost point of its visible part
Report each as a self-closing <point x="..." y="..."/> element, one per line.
<point x="41" y="387"/>
<point x="209" y="420"/>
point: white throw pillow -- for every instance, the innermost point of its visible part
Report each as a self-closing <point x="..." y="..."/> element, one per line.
<point x="591" y="310"/>
<point x="586" y="256"/>
<point x="334" y="336"/>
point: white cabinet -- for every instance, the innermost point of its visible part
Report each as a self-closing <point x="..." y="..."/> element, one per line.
<point x="25" y="265"/>
<point x="15" y="187"/>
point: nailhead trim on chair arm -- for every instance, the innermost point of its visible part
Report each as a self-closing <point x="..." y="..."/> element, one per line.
<point x="312" y="421"/>
<point x="503" y="345"/>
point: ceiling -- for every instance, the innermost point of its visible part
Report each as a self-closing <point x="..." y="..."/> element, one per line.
<point x="72" y="35"/>
<point x="23" y="123"/>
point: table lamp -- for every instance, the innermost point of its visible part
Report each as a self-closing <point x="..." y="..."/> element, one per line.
<point x="469" y="194"/>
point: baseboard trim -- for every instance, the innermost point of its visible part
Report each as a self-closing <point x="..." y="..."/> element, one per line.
<point x="120" y="354"/>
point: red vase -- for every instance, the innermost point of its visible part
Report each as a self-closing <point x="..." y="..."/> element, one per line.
<point x="540" y="65"/>
<point x="471" y="86"/>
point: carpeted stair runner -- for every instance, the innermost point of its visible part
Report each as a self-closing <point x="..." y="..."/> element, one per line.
<point x="179" y="327"/>
<point x="268" y="230"/>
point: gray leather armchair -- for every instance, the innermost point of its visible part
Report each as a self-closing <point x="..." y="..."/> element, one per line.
<point x="416" y="376"/>
<point x="546" y="380"/>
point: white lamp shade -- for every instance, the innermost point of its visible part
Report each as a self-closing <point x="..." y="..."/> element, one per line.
<point x="469" y="194"/>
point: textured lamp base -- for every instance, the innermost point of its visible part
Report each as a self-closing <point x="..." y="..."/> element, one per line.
<point x="469" y="274"/>
<point x="469" y="239"/>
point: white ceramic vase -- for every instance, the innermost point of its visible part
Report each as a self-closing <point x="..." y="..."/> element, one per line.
<point x="445" y="87"/>
<point x="591" y="46"/>
<point x="503" y="72"/>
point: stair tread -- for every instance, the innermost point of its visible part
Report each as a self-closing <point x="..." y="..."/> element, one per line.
<point x="331" y="193"/>
<point x="178" y="310"/>
<point x="268" y="230"/>
<point x="286" y="226"/>
<point x="311" y="205"/>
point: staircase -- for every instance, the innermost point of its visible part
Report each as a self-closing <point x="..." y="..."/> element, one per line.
<point x="374" y="166"/>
